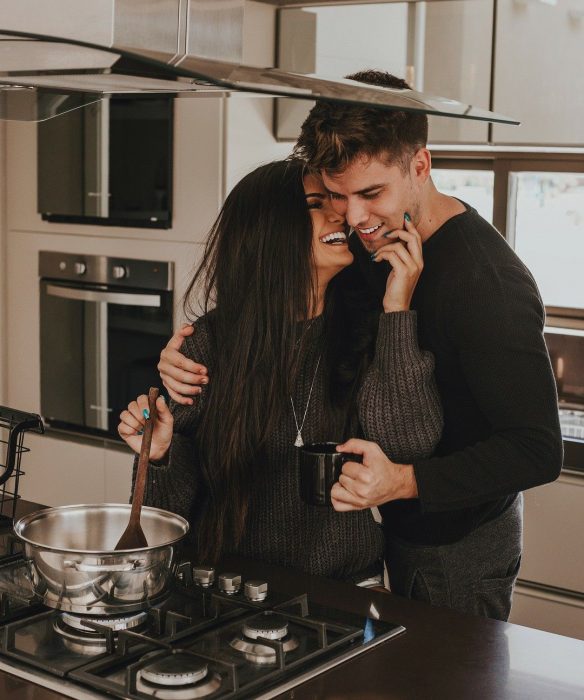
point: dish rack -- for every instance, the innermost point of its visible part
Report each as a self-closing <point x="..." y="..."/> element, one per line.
<point x="14" y="425"/>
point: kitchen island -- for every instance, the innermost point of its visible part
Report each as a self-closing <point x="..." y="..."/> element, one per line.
<point x="441" y="655"/>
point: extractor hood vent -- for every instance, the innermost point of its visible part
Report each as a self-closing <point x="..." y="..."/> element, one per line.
<point x="61" y="55"/>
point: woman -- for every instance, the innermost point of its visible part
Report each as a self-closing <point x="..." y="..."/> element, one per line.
<point x="288" y="344"/>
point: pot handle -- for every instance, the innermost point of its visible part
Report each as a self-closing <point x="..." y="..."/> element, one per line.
<point x="102" y="568"/>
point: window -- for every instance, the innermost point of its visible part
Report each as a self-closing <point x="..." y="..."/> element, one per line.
<point x="475" y="187"/>
<point x="546" y="228"/>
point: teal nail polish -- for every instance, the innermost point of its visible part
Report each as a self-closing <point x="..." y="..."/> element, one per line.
<point x="407" y="217"/>
<point x="139" y="432"/>
<point x="146" y="413"/>
<point x="163" y="399"/>
<point x="372" y="256"/>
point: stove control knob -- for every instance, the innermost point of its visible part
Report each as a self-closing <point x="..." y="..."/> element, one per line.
<point x="204" y="576"/>
<point x="229" y="583"/>
<point x="80" y="268"/>
<point x="255" y="590"/>
<point x="119" y="272"/>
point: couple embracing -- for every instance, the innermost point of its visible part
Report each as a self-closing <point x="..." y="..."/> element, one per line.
<point x="345" y="298"/>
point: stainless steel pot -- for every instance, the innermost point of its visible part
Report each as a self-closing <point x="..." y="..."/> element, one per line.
<point x="74" y="566"/>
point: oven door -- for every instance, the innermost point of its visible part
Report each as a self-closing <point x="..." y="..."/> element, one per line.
<point x="99" y="350"/>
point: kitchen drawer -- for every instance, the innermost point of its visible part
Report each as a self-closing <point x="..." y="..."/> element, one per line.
<point x="553" y="527"/>
<point x="548" y="611"/>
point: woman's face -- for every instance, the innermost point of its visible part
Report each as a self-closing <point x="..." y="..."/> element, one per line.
<point x="329" y="231"/>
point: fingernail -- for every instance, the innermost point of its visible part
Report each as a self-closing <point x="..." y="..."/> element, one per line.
<point x="139" y="432"/>
<point x="205" y="380"/>
<point x="388" y="234"/>
<point x="146" y="413"/>
<point x="372" y="256"/>
<point x="163" y="398"/>
<point x="407" y="217"/>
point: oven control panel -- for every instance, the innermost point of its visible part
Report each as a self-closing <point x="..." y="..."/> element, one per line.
<point x="101" y="269"/>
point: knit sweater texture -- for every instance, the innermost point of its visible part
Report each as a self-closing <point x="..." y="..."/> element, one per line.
<point x="481" y="316"/>
<point x="398" y="407"/>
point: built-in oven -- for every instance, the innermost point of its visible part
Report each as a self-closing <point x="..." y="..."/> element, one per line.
<point x="103" y="324"/>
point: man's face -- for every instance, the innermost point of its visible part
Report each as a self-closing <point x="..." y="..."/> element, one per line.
<point x="374" y="196"/>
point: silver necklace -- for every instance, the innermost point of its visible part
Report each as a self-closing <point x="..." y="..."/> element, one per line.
<point x="299" y="442"/>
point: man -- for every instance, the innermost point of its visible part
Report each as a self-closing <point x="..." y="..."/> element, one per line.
<point x="453" y="521"/>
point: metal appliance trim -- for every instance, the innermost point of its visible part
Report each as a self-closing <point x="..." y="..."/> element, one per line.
<point x="121" y="298"/>
<point x="272" y="81"/>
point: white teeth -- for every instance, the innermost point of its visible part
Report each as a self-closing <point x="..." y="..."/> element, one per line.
<point x="336" y="237"/>
<point x="370" y="230"/>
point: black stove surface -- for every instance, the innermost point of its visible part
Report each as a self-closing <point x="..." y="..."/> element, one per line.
<point x="197" y="642"/>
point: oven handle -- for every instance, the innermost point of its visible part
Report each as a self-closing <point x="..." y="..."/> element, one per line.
<point x="107" y="297"/>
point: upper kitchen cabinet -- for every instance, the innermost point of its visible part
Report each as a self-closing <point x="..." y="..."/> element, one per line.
<point x="450" y="49"/>
<point x="333" y="42"/>
<point x="539" y="76"/>
<point x="441" y="48"/>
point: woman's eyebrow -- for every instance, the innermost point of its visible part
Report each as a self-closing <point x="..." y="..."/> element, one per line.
<point x="320" y="195"/>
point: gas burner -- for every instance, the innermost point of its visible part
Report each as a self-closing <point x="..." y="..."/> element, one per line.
<point x="115" y="622"/>
<point x="268" y="625"/>
<point x="81" y="638"/>
<point x="84" y="642"/>
<point x="177" y="676"/>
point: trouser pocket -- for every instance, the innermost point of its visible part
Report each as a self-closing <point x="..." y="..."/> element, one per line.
<point x="494" y="595"/>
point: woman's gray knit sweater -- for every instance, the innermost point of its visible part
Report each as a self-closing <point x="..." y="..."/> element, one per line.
<point x="398" y="408"/>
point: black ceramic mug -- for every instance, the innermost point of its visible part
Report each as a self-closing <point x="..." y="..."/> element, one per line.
<point x="320" y="467"/>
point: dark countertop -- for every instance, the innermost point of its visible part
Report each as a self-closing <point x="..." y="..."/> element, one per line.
<point x="443" y="654"/>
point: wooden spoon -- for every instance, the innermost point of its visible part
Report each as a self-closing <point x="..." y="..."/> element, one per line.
<point x="133" y="536"/>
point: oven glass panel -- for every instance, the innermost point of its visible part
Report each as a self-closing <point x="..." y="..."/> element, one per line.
<point x="97" y="355"/>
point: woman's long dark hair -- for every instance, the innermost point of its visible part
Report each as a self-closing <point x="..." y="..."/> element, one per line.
<point x="257" y="282"/>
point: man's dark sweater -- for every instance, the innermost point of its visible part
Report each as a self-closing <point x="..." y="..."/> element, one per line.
<point x="480" y="314"/>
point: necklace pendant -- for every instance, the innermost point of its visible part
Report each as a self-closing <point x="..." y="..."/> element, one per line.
<point x="299" y="442"/>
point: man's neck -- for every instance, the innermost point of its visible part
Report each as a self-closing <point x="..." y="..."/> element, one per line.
<point x="435" y="210"/>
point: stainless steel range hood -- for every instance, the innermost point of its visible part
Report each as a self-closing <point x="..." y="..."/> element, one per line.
<point x="65" y="54"/>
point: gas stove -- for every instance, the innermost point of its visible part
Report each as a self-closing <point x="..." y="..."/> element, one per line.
<point x="209" y="637"/>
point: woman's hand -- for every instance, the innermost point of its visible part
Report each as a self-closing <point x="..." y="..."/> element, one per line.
<point x="132" y="422"/>
<point x="181" y="377"/>
<point x="407" y="264"/>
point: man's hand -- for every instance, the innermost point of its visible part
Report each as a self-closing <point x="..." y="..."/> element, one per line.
<point x="181" y="377"/>
<point x="376" y="481"/>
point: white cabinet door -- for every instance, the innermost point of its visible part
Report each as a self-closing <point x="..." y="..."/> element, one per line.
<point x="118" y="474"/>
<point x="60" y="473"/>
<point x="552" y="541"/>
<point x="539" y="71"/>
<point x="546" y="611"/>
<point x="457" y="64"/>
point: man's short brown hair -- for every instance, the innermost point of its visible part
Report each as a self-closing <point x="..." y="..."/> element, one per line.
<point x="334" y="134"/>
